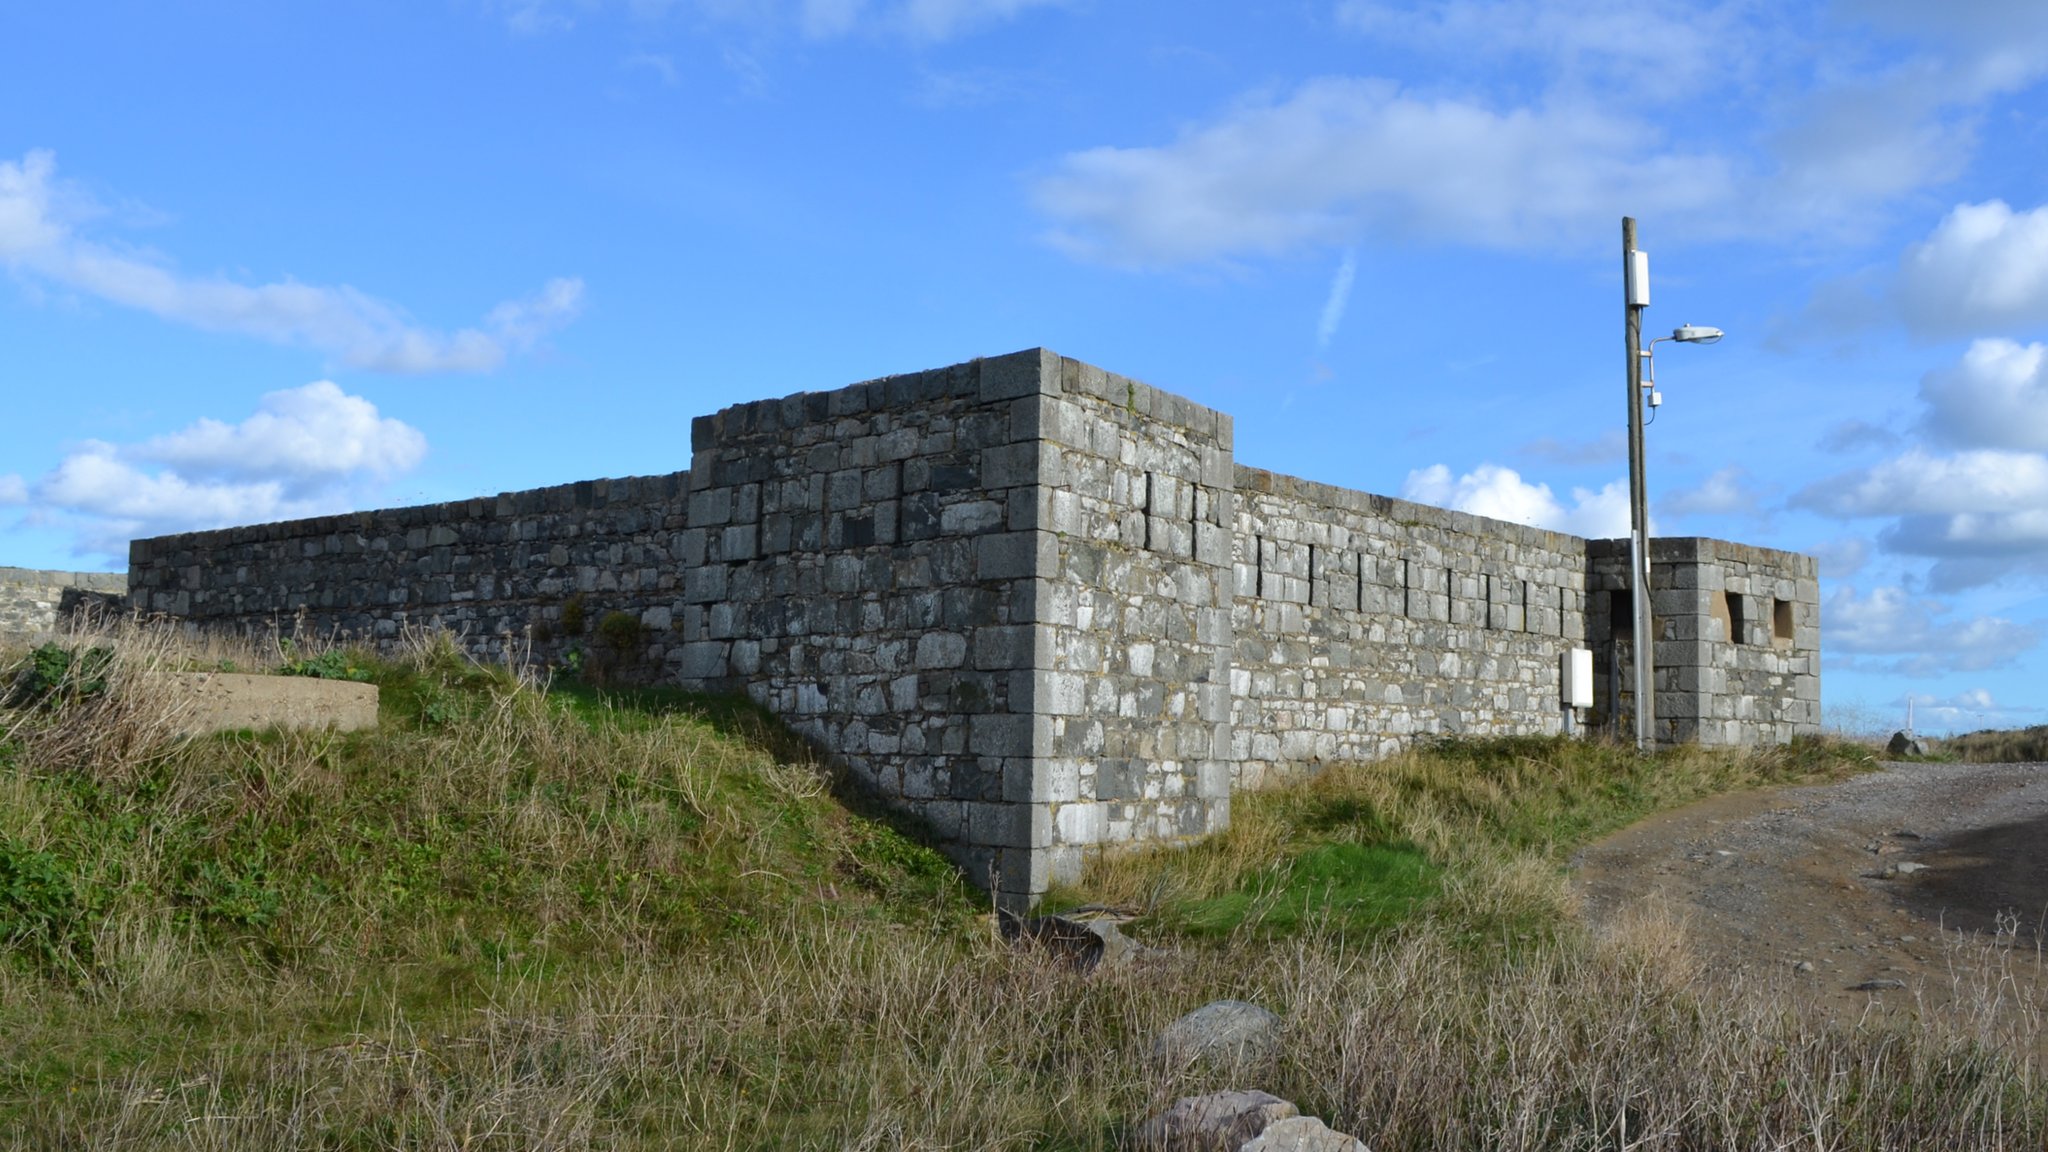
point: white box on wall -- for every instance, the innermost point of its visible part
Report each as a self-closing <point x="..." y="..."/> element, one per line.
<point x="1575" y="678"/>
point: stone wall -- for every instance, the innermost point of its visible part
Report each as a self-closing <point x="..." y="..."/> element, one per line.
<point x="508" y="573"/>
<point x="1363" y="622"/>
<point x="1035" y="603"/>
<point x="1737" y="635"/>
<point x="1134" y="692"/>
<point x="33" y="601"/>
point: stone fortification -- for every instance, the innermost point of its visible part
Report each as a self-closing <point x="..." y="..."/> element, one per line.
<point x="33" y="601"/>
<point x="1363" y="621"/>
<point x="1035" y="603"/>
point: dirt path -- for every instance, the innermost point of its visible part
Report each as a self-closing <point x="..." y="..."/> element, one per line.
<point x="1900" y="875"/>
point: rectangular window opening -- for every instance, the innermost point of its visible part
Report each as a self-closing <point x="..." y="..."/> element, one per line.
<point x="1781" y="622"/>
<point x="1621" y="612"/>
<point x="1737" y="634"/>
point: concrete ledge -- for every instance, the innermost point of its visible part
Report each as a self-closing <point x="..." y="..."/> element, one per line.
<point x="224" y="701"/>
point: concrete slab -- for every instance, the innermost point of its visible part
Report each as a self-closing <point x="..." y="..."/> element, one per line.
<point x="223" y="701"/>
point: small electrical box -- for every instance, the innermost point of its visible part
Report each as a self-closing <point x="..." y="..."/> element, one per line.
<point x="1575" y="678"/>
<point x="1639" y="279"/>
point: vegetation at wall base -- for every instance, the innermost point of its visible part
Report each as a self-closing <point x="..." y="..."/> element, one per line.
<point x="516" y="918"/>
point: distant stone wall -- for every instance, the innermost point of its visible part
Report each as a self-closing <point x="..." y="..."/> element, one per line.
<point x="1033" y="602"/>
<point x="1363" y="622"/>
<point x="502" y="572"/>
<point x="1737" y="634"/>
<point x="33" y="601"/>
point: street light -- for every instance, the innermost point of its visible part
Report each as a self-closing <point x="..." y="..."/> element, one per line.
<point x="1635" y="276"/>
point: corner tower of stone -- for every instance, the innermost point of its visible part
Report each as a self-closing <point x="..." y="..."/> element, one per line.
<point x="998" y="592"/>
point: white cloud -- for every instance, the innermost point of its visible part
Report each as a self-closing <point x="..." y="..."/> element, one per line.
<point x="1920" y="634"/>
<point x="944" y="19"/>
<point x="822" y="19"/>
<point x="1975" y="706"/>
<point x="1338" y="300"/>
<point x="1501" y="493"/>
<point x="305" y="452"/>
<point x="663" y="68"/>
<point x="1922" y="483"/>
<point x="13" y="489"/>
<point x="299" y="437"/>
<point x="1981" y="512"/>
<point x="1343" y="159"/>
<point x="1841" y="558"/>
<point x="1651" y="48"/>
<point x="1533" y="124"/>
<point x="1855" y="435"/>
<point x="1993" y="45"/>
<point x="1997" y="397"/>
<point x="1983" y="268"/>
<point x="1726" y="492"/>
<point x="38" y="238"/>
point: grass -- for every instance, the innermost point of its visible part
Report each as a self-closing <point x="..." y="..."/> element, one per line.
<point x="1470" y="833"/>
<point x="1998" y="746"/>
<point x="516" y="918"/>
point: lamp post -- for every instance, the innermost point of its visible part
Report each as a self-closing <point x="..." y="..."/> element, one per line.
<point x="1635" y="278"/>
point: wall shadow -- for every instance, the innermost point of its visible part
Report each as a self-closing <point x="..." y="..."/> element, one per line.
<point x="1975" y="876"/>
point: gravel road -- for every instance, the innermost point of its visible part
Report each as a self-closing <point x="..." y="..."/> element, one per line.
<point x="1907" y="874"/>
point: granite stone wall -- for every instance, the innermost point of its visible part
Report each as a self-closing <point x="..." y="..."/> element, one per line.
<point x="1737" y="635"/>
<point x="1363" y="622"/>
<point x="1037" y="604"/>
<point x="520" y="573"/>
<point x="35" y="601"/>
<point x="1133" y="698"/>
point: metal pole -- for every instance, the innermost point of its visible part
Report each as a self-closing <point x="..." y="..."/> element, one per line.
<point x="1638" y="503"/>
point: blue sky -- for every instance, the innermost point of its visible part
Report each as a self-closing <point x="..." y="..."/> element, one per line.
<point x="271" y="260"/>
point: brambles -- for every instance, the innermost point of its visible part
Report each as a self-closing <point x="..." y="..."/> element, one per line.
<point x="54" y="674"/>
<point x="333" y="664"/>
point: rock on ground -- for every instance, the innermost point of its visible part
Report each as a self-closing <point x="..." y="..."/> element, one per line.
<point x="1217" y="1122"/>
<point x="1224" y="1031"/>
<point x="1303" y="1134"/>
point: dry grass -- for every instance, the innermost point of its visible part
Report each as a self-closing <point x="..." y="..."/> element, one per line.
<point x="504" y="923"/>
<point x="1998" y="746"/>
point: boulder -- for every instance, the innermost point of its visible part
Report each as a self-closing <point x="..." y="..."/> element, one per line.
<point x="1905" y="745"/>
<point x="1085" y="943"/>
<point x="1226" y="1032"/>
<point x="1217" y="1122"/>
<point x="1303" y="1134"/>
